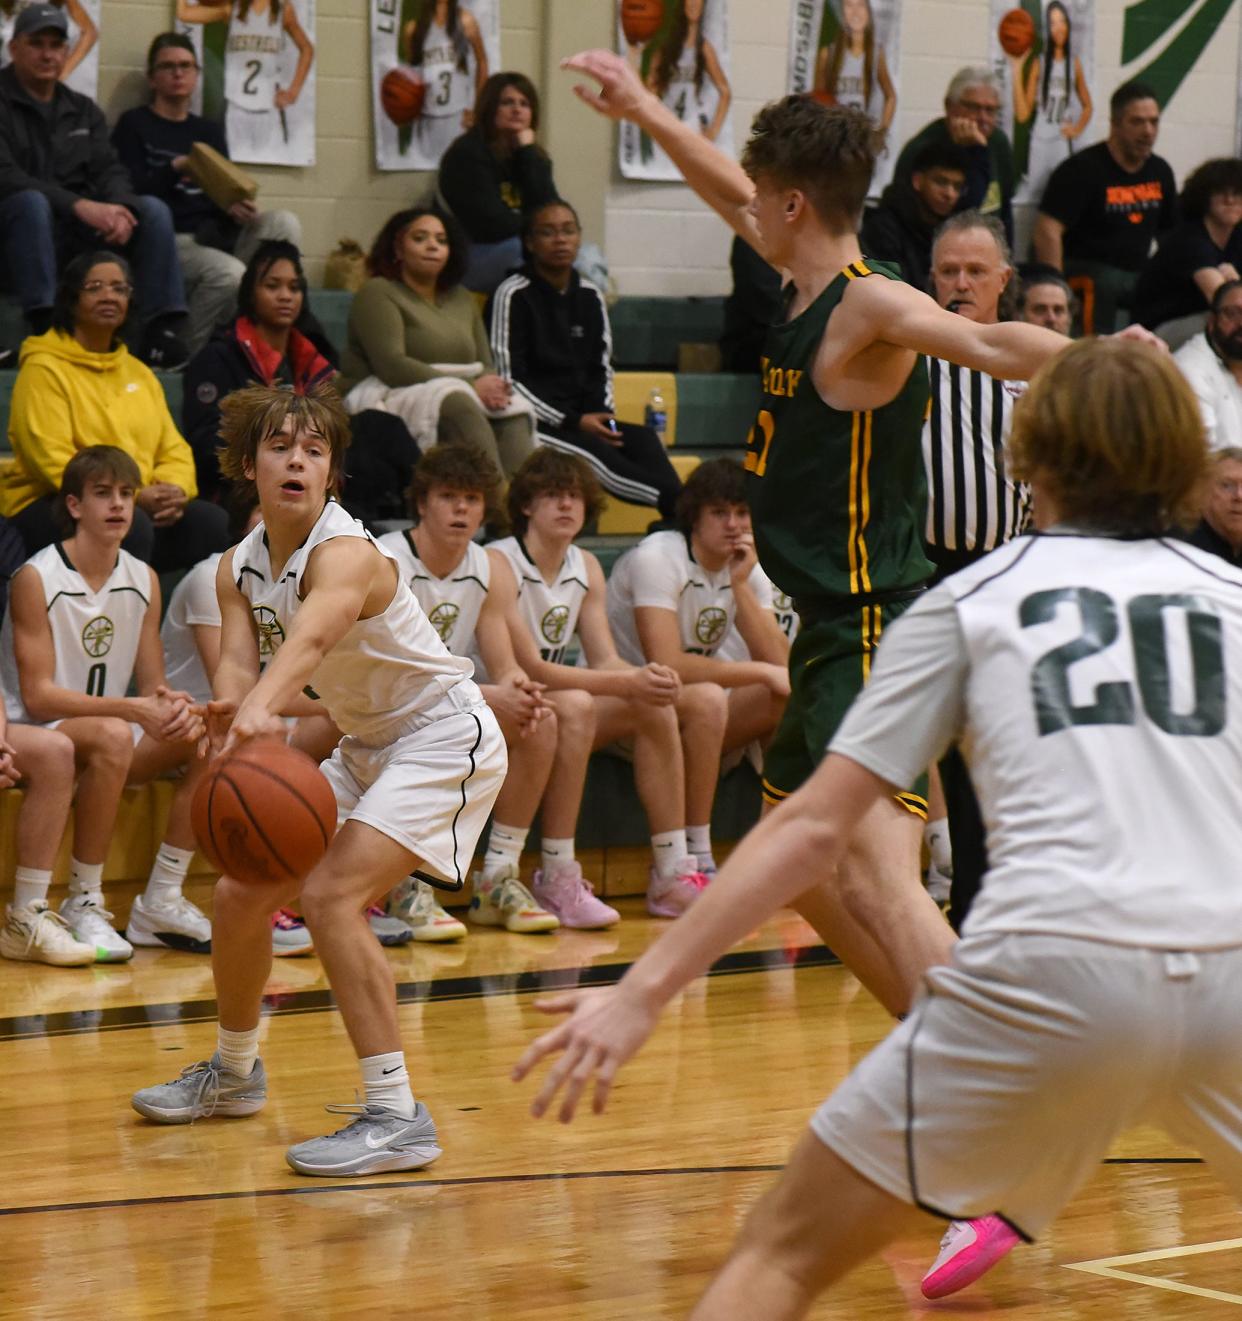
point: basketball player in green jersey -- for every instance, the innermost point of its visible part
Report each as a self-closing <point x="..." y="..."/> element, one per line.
<point x="837" y="491"/>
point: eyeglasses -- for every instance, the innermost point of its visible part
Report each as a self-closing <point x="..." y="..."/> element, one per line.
<point x="179" y="66"/>
<point x="118" y="287"/>
<point x="990" y="108"/>
<point x="555" y="231"/>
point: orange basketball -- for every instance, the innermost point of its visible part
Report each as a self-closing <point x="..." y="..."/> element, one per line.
<point x="641" y="19"/>
<point x="1016" y="32"/>
<point x="264" y="813"/>
<point x="402" y="95"/>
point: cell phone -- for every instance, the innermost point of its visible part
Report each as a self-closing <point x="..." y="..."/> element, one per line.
<point x="612" y="426"/>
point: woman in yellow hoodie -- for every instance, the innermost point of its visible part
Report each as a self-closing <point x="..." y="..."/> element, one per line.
<point x="79" y="385"/>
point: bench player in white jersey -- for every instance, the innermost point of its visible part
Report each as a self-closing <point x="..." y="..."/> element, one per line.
<point x="1094" y="986"/>
<point x="446" y="45"/>
<point x="676" y="598"/>
<point x="552" y="590"/>
<point x="549" y="735"/>
<point x="415" y="774"/>
<point x="83" y="620"/>
<point x="255" y="103"/>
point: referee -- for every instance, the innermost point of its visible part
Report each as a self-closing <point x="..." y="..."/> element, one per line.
<point x="974" y="505"/>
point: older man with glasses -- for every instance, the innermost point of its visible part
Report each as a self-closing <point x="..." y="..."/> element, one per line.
<point x="972" y="106"/>
<point x="154" y="142"/>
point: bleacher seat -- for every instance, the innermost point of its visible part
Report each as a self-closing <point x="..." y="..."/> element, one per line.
<point x="646" y="332"/>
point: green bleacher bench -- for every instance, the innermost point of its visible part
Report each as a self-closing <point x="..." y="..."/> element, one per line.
<point x="646" y="332"/>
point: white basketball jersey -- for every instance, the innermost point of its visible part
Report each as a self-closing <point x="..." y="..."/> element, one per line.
<point x="451" y="603"/>
<point x="1096" y="687"/>
<point x="551" y="613"/>
<point x="252" y="57"/>
<point x="694" y="106"/>
<point x="95" y="635"/>
<point x="449" y="90"/>
<point x="386" y="670"/>
<point x="193" y="602"/>
<point x="734" y="647"/>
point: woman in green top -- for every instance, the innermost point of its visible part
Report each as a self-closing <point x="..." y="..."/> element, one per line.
<point x="417" y="346"/>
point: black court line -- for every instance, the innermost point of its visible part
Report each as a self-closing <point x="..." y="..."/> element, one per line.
<point x="318" y="1189"/>
<point x="127" y="1017"/>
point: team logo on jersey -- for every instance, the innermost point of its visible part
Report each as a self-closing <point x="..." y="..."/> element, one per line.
<point x="781" y="602"/>
<point x="710" y="626"/>
<point x="271" y="632"/>
<point x="97" y="636"/>
<point x="442" y="619"/>
<point x="554" y="623"/>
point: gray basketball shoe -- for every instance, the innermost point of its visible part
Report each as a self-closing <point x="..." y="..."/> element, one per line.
<point x="375" y="1142"/>
<point x="202" y="1090"/>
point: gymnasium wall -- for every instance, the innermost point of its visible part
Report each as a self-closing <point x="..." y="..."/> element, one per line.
<point x="658" y="238"/>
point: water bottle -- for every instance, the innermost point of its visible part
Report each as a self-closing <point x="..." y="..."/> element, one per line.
<point x="656" y="414"/>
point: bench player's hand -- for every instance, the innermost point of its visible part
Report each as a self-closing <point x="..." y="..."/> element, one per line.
<point x="742" y="557"/>
<point x="217" y="718"/>
<point x="185" y="721"/>
<point x="605" y="1028"/>
<point x="776" y="678"/>
<point x="520" y="698"/>
<point x="658" y="684"/>
<point x="9" y="774"/>
<point x="621" y="94"/>
<point x="1141" y="335"/>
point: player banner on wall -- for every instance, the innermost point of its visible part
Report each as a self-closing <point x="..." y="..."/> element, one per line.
<point x="1043" y="51"/>
<point x="258" y="59"/>
<point x="82" y="67"/>
<point x="681" y="50"/>
<point x="429" y="58"/>
<point x="848" y="52"/>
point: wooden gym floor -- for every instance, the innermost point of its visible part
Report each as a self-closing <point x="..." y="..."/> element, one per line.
<point x="614" y="1218"/>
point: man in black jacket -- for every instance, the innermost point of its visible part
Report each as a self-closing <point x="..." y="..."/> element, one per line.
<point x="551" y="339"/>
<point x="901" y="228"/>
<point x="62" y="191"/>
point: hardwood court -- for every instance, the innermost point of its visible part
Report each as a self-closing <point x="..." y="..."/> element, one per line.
<point x="620" y="1217"/>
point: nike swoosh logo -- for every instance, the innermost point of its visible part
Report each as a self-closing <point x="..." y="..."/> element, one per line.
<point x="373" y="1142"/>
<point x="394" y="1069"/>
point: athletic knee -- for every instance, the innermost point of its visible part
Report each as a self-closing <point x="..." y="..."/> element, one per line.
<point x="112" y="747"/>
<point x="575" y="712"/>
<point x="704" y="704"/>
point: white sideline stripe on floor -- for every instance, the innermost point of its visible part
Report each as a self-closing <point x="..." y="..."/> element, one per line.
<point x="1107" y="1267"/>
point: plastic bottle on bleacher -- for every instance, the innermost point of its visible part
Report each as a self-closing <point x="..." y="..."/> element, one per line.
<point x="656" y="414"/>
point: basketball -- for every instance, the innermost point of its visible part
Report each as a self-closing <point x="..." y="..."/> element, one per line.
<point x="264" y="813"/>
<point x="641" y="19"/>
<point x="1016" y="32"/>
<point x="402" y="95"/>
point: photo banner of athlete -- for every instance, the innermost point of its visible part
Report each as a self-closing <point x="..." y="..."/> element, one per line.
<point x="848" y="52"/>
<point x="429" y="58"/>
<point x="1043" y="52"/>
<point x="680" y="48"/>
<point x="82" y="67"/>
<point x="258" y="59"/>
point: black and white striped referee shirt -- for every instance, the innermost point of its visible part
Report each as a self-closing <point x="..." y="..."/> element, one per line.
<point x="973" y="503"/>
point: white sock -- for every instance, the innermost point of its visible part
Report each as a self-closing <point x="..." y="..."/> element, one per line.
<point x="238" y="1050"/>
<point x="557" y="850"/>
<point x="168" y="874"/>
<point x="504" y="849"/>
<point x="387" y="1084"/>
<point x="668" y="849"/>
<point x="936" y="833"/>
<point x="31" y="886"/>
<point x="86" y="878"/>
<point x="699" y="840"/>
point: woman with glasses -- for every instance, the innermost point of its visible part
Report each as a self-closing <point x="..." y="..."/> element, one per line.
<point x="78" y="385"/>
<point x="550" y="337"/>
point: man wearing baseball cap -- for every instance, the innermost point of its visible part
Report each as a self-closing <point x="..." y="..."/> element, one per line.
<point x="63" y="191"/>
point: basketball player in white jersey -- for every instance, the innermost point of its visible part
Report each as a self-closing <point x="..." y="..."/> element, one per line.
<point x="255" y="103"/>
<point x="83" y="620"/>
<point x="552" y="590"/>
<point x="548" y="735"/>
<point x="676" y="598"/>
<point x="1094" y="986"/>
<point x="415" y="774"/>
<point x="446" y="45"/>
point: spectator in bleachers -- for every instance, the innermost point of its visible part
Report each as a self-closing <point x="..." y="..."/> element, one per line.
<point x="752" y="307"/>
<point x="417" y="345"/>
<point x="674" y="600"/>
<point x="972" y="106"/>
<point x="1105" y="207"/>
<point x="1045" y="299"/>
<point x="1220" y="529"/>
<point x="901" y="227"/>
<point x="1212" y="363"/>
<point x="63" y="190"/>
<point x="154" y="142"/>
<point x="1195" y="258"/>
<point x="493" y="174"/>
<point x="551" y="339"/>
<point x="78" y="385"/>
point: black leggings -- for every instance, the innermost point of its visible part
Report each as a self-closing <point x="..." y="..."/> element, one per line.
<point x="637" y="470"/>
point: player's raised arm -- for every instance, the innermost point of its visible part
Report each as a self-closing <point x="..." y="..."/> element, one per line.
<point x="717" y="178"/>
<point x="188" y="11"/>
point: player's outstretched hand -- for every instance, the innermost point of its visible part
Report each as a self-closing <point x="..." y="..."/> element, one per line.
<point x="251" y="721"/>
<point x="605" y="1028"/>
<point x="217" y="717"/>
<point x="621" y="94"/>
<point x="1141" y="335"/>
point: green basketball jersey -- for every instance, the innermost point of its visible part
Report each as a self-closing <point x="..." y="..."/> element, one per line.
<point x="838" y="499"/>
